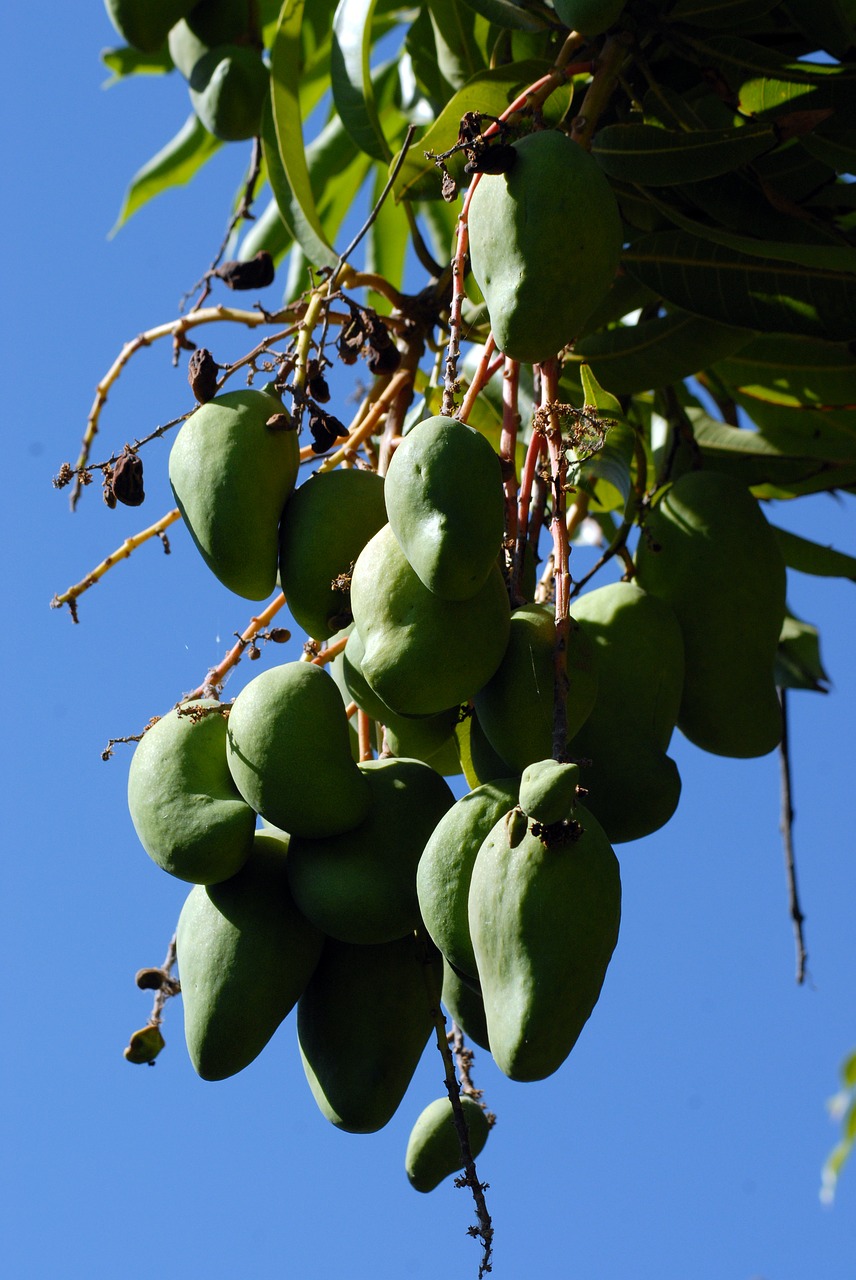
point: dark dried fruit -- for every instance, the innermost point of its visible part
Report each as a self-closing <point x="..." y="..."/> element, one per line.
<point x="385" y="360"/>
<point x="202" y="371"/>
<point x="255" y="274"/>
<point x="325" y="431"/>
<point x="127" y="482"/>
<point x="279" y="635"/>
<point x="150" y="979"/>
<point x="350" y="341"/>
<point x="281" y="422"/>
<point x="499" y="158"/>
<point x="318" y="388"/>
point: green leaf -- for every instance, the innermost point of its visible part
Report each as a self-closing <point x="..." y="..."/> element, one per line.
<point x="723" y="284"/>
<point x="643" y="357"/>
<point x="827" y="24"/>
<point x="652" y="156"/>
<point x="457" y="53"/>
<point x="719" y="14"/>
<point x="848" y="1071"/>
<point x="173" y="166"/>
<point x="489" y="92"/>
<point x="806" y="556"/>
<point x="606" y="475"/>
<point x="797" y="663"/>
<point x="350" y="67"/>
<point x="126" y="62"/>
<point x="507" y="14"/>
<point x="282" y="131"/>
<point x="767" y="82"/>
<point x="792" y="371"/>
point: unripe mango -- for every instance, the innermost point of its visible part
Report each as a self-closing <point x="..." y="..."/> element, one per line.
<point x="708" y="551"/>
<point x="545" y="240"/>
<point x="590" y="17"/>
<point x="445" y="504"/>
<point x="446" y="867"/>
<point x="189" y="815"/>
<point x="361" y="886"/>
<point x="515" y="707"/>
<point x="228" y="87"/>
<point x="465" y="1006"/>
<point x="544" y="923"/>
<point x="325" y="525"/>
<point x="231" y="475"/>
<point x="362" y="1024"/>
<point x="633" y="786"/>
<point x="245" y="955"/>
<point x="423" y="654"/>
<point x="144" y="24"/>
<point x="548" y="791"/>
<point x="433" y="1149"/>
<point x="289" y="752"/>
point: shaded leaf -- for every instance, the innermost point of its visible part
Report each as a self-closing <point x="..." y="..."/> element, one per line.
<point x="458" y="55"/>
<point x="606" y="475"/>
<point x="652" y="156"/>
<point x="827" y="24"/>
<point x="806" y="556"/>
<point x="792" y="371"/>
<point x="507" y="14"/>
<point x="723" y="284"/>
<point x="797" y="663"/>
<point x="767" y="82"/>
<point x="173" y="166"/>
<point x="718" y="14"/>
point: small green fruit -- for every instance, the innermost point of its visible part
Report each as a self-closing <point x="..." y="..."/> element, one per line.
<point x="548" y="791"/>
<point x="144" y="1046"/>
<point x="144" y="24"/>
<point x="465" y="1006"/>
<point x="545" y="240"/>
<point x="228" y="87"/>
<point x="433" y="1148"/>
<point x="231" y="475"/>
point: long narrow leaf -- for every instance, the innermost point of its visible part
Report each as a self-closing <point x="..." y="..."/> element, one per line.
<point x="646" y="154"/>
<point x="350" y="65"/>
<point x="810" y="557"/>
<point x="173" y="166"/>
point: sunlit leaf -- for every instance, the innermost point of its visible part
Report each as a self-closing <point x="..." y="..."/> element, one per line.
<point x="173" y="166"/>
<point x="124" y="62"/>
<point x="350" y="67"/>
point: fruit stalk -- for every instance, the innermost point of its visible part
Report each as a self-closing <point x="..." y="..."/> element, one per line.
<point x="561" y="552"/>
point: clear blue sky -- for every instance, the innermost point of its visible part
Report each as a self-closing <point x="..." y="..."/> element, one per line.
<point x="684" y="1137"/>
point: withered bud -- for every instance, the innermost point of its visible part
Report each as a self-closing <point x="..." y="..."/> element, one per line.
<point x="449" y="188"/>
<point x="279" y="635"/>
<point x="281" y="422"/>
<point x="127" y="482"/>
<point x="107" y="488"/>
<point x="350" y="341"/>
<point x="325" y="430"/>
<point x="255" y="274"/>
<point x="500" y="158"/>
<point x="63" y="476"/>
<point x="385" y="360"/>
<point x="255" y="652"/>
<point x="318" y="388"/>
<point x="202" y="371"/>
<point x="150" y="979"/>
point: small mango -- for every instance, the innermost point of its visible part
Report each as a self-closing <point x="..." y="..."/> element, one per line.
<point x="548" y="791"/>
<point x="434" y="1149"/>
<point x="228" y="87"/>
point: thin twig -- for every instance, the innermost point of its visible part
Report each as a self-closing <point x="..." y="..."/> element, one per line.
<point x="787" y="830"/>
<point x="243" y="211"/>
<point x="216" y="677"/>
<point x="156" y="530"/>
<point x="396" y="169"/>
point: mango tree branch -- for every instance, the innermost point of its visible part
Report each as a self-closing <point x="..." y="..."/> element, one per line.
<point x="787" y="829"/>
<point x="214" y="681"/>
<point x="156" y="530"/>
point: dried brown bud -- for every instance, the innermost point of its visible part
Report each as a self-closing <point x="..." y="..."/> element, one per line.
<point x="63" y="476"/>
<point x="150" y="979"/>
<point x="318" y="388"/>
<point x="385" y="360"/>
<point x="202" y="371"/>
<point x="107" y="488"/>
<point x="449" y="189"/>
<point x="127" y="482"/>
<point x="279" y="635"/>
<point x="281" y="422"/>
<point x="255" y="274"/>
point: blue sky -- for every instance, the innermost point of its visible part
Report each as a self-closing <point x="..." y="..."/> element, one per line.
<point x="685" y="1135"/>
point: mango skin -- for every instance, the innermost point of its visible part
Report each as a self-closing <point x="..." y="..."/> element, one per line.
<point x="720" y="568"/>
<point x="633" y="785"/>
<point x="325" y="525"/>
<point x="362" y="1024"/>
<point x="143" y="24"/>
<point x="515" y="707"/>
<point x="423" y="654"/>
<point x="289" y="752"/>
<point x="545" y="240"/>
<point x="189" y="815"/>
<point x="446" y="867"/>
<point x="445" y="504"/>
<point x="590" y="17"/>
<point x="548" y="790"/>
<point x="433" y="1151"/>
<point x="361" y="886"/>
<point x="544" y="924"/>
<point x="231" y="476"/>
<point x="228" y="87"/>
<point x="245" y="955"/>
<point x="465" y="1006"/>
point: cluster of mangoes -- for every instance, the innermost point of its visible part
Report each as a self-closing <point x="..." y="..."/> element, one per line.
<point x="216" y="47"/>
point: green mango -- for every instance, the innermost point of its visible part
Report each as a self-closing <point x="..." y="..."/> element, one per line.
<point x="189" y="815"/>
<point x="325" y="525"/>
<point x="231" y="475"/>
<point x="544" y="923"/>
<point x="590" y="17"/>
<point x="361" y="886"/>
<point x="708" y="551"/>
<point x="185" y="48"/>
<point x="515" y="707"/>
<point x="423" y="654"/>
<point x="289" y="752"/>
<point x="221" y="21"/>
<point x="446" y="507"/>
<point x="362" y="1024"/>
<point x="144" y="24"/>
<point x="545" y="240"/>
<point x="433" y="1149"/>
<point x="632" y="786"/>
<point x="548" y="790"/>
<point x="465" y="1006"/>
<point x="245" y="956"/>
<point x="446" y="867"/>
<point x="228" y="87"/>
<point x="484" y="765"/>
